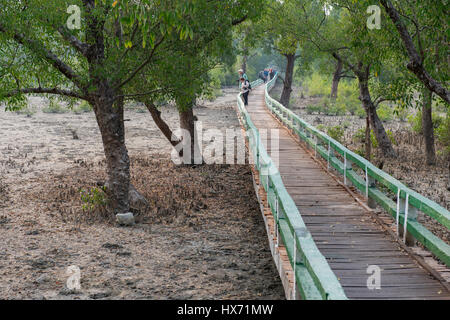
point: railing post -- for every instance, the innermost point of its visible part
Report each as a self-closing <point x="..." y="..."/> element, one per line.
<point x="371" y="183"/>
<point x="347" y="167"/>
<point x="330" y="155"/>
<point x="279" y="215"/>
<point x="410" y="213"/>
<point x="258" y="163"/>
<point x="315" y="146"/>
<point x="297" y="260"/>
<point x="307" y="135"/>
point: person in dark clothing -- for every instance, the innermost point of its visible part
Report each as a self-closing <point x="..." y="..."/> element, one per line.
<point x="261" y="75"/>
<point x="245" y="89"/>
<point x="271" y="73"/>
<point x="266" y="74"/>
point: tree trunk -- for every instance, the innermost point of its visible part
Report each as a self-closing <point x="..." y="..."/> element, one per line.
<point x="244" y="63"/>
<point x="371" y="111"/>
<point x="110" y="121"/>
<point x="336" y="79"/>
<point x="287" y="88"/>
<point x="162" y="125"/>
<point x="427" y="127"/>
<point x="415" y="59"/>
<point x="368" y="141"/>
<point x="448" y="181"/>
<point x="189" y="140"/>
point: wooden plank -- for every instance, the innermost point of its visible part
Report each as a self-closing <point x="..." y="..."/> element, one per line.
<point x="348" y="238"/>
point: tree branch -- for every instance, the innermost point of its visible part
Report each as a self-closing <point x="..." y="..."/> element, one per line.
<point x="239" y="21"/>
<point x="74" y="41"/>
<point x="128" y="96"/>
<point x="415" y="60"/>
<point x="135" y="72"/>
<point x="49" y="56"/>
<point x="55" y="90"/>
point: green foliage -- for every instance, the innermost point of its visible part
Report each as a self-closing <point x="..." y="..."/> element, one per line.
<point x="94" y="198"/>
<point x="348" y="96"/>
<point x="336" y="132"/>
<point x="416" y="121"/>
<point x="391" y="137"/>
<point x="28" y="111"/>
<point x="373" y="140"/>
<point x="326" y="103"/>
<point x="336" y="109"/>
<point x="331" y="108"/>
<point x="346" y="102"/>
<point x="54" y="107"/>
<point x="16" y="103"/>
<point x="321" y="127"/>
<point x="359" y="136"/>
<point x="360" y="151"/>
<point x="347" y="105"/>
<point x="384" y="113"/>
<point x="360" y="112"/>
<point x="317" y="85"/>
<point x="401" y="113"/>
<point x="346" y="124"/>
<point x="83" y="107"/>
<point x="443" y="134"/>
<point x="214" y="90"/>
<point x="439" y="106"/>
<point x="314" y="108"/>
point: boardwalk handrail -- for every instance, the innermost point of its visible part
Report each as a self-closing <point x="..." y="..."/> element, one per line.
<point x="313" y="276"/>
<point x="408" y="201"/>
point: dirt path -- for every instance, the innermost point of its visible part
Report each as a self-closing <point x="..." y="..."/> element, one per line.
<point x="203" y="237"/>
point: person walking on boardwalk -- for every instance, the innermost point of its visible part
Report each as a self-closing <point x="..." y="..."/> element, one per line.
<point x="245" y="89"/>
<point x="242" y="75"/>
<point x="261" y="75"/>
<point x="266" y="74"/>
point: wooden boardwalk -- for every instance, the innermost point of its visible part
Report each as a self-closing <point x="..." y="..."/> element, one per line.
<point x="345" y="233"/>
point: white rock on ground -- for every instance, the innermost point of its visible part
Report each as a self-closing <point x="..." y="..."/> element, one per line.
<point x="126" y="219"/>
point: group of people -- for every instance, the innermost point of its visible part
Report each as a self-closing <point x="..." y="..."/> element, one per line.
<point x="266" y="75"/>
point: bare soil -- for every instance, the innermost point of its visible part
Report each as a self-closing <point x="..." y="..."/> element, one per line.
<point x="202" y="237"/>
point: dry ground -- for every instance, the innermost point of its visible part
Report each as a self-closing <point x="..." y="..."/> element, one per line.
<point x="202" y="237"/>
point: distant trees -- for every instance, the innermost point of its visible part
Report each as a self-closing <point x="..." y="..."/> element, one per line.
<point x="419" y="27"/>
<point x="328" y="28"/>
<point x="408" y="40"/>
<point x="285" y="38"/>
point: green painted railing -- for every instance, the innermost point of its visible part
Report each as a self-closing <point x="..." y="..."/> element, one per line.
<point x="314" y="278"/>
<point x="408" y="201"/>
